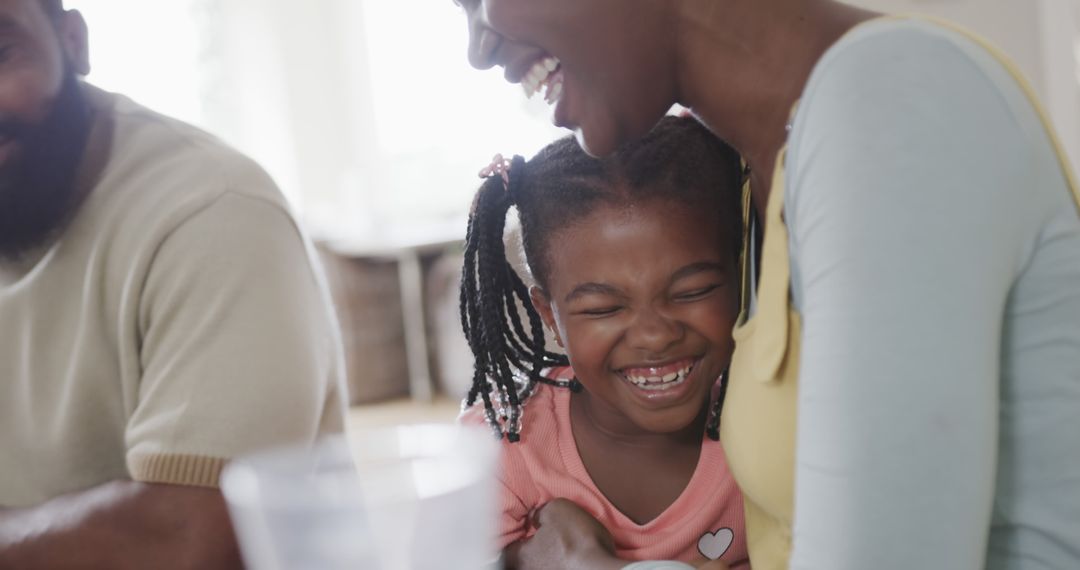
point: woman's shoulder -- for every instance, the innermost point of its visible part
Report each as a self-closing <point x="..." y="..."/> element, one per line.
<point x="914" y="103"/>
<point x="906" y="55"/>
<point x="890" y="37"/>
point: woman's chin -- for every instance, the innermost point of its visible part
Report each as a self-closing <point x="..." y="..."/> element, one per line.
<point x="593" y="143"/>
<point x="602" y="134"/>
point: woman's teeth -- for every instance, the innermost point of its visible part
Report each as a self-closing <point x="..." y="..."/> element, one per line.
<point x="546" y="74"/>
<point x="665" y="382"/>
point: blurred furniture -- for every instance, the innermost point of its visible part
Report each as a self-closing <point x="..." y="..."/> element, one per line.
<point x="367" y="299"/>
<point x="364" y="313"/>
<point x="398" y="302"/>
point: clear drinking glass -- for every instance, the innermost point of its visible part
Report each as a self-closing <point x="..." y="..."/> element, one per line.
<point x="404" y="498"/>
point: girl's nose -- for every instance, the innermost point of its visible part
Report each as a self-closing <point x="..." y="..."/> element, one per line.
<point x="654" y="333"/>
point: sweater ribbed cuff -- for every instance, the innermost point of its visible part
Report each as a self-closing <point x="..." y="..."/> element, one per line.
<point x="177" y="469"/>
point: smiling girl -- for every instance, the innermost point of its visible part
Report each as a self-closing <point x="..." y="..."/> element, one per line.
<point x="635" y="261"/>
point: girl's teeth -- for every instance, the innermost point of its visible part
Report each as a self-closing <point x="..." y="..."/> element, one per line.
<point x="660" y="382"/>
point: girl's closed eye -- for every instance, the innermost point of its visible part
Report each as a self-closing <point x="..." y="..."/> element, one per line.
<point x="697" y="293"/>
<point x="604" y="311"/>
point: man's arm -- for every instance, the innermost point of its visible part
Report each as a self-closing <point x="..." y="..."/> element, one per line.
<point x="120" y="525"/>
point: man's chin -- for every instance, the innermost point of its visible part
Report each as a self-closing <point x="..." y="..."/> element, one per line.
<point x="38" y="166"/>
<point x="29" y="220"/>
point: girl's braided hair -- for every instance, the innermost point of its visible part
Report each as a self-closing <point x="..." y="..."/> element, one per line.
<point x="679" y="161"/>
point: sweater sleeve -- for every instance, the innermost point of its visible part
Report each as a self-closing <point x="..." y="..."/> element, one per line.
<point x="239" y="346"/>
<point x="908" y="226"/>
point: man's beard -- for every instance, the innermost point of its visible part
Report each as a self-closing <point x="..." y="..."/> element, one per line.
<point x="38" y="193"/>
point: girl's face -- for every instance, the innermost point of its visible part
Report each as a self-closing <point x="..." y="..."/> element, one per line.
<point x="611" y="58"/>
<point x="643" y="299"/>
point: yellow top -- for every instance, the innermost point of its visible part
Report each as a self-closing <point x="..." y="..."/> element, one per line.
<point x="758" y="427"/>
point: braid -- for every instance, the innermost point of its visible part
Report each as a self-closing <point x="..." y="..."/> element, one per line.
<point x="712" y="427"/>
<point x="508" y="359"/>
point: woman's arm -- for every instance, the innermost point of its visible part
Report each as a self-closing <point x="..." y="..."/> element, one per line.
<point x="907" y="229"/>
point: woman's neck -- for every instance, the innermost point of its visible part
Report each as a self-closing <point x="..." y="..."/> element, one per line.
<point x="744" y="64"/>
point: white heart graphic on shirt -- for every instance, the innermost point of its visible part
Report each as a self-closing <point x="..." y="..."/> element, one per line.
<point x="713" y="545"/>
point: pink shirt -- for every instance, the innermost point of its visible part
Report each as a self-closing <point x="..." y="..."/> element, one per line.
<point x="704" y="523"/>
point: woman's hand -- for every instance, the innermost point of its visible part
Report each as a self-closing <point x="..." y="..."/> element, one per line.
<point x="566" y="537"/>
<point x="714" y="565"/>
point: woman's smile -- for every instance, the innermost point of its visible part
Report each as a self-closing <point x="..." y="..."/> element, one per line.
<point x="544" y="75"/>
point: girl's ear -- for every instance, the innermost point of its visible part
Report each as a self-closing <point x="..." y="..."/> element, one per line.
<point x="542" y="305"/>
